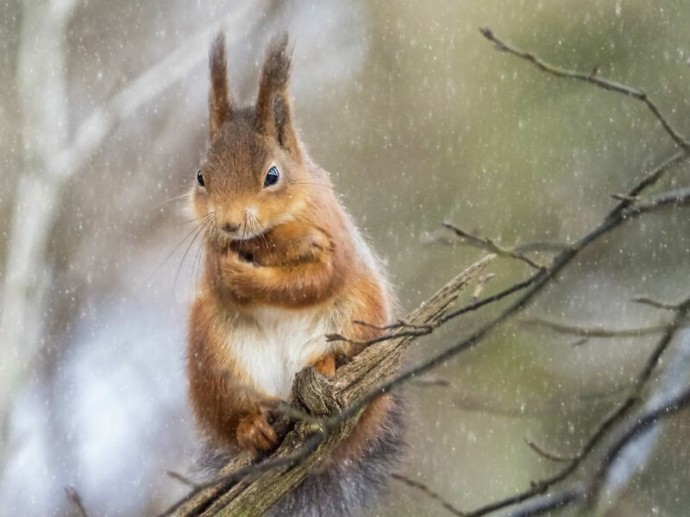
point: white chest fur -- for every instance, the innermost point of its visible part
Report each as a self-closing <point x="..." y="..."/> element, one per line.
<point x="274" y="344"/>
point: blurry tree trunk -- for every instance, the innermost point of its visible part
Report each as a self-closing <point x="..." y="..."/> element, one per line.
<point x="41" y="90"/>
<point x="52" y="154"/>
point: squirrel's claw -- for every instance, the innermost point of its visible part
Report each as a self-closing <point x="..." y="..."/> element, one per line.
<point x="255" y="434"/>
<point x="326" y="366"/>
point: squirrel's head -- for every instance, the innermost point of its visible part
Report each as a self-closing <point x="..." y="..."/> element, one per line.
<point x="253" y="176"/>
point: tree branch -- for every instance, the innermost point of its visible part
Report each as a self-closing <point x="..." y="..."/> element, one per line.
<point x="606" y="426"/>
<point x="594" y="332"/>
<point x="428" y="492"/>
<point x="75" y="500"/>
<point x="590" y="78"/>
<point x="489" y="245"/>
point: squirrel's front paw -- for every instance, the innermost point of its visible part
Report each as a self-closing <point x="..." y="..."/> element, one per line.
<point x="238" y="275"/>
<point x="326" y="366"/>
<point x="237" y="263"/>
<point x="255" y="434"/>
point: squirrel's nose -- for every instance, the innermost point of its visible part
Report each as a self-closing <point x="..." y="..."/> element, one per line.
<point x="230" y="227"/>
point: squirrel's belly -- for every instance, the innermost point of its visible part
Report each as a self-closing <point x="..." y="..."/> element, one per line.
<point x="272" y="345"/>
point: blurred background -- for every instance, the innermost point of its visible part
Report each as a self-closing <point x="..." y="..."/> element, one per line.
<point x="420" y="121"/>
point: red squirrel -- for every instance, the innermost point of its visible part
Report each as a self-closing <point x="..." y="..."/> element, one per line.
<point x="284" y="266"/>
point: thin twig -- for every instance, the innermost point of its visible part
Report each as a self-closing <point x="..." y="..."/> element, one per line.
<point x="431" y="382"/>
<point x="441" y="239"/>
<point x="428" y="492"/>
<point x="623" y="197"/>
<point x="393" y="326"/>
<point x="591" y="78"/>
<point x="489" y="245"/>
<point x="655" y="303"/>
<point x="594" y="332"/>
<point x="481" y="285"/>
<point x="182" y="479"/>
<point x="546" y="504"/>
<point x="471" y="307"/>
<point x="541" y="247"/>
<point x="652" y="177"/>
<point x="678" y="320"/>
<point x="74" y="498"/>
<point x="421" y="331"/>
<point x="552" y="456"/>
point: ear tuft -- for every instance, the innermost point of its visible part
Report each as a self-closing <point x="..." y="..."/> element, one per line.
<point x="276" y="71"/>
<point x="219" y="96"/>
<point x="273" y="106"/>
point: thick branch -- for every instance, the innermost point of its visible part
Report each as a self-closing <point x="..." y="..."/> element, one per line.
<point x="305" y="446"/>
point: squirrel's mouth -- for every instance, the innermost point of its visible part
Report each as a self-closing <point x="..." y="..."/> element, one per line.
<point x="245" y="249"/>
<point x="246" y="256"/>
<point x="240" y="235"/>
<point x="226" y="239"/>
<point x="242" y="241"/>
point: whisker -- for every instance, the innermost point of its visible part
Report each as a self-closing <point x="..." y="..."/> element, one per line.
<point x="196" y="219"/>
<point x="191" y="232"/>
<point x="254" y="228"/>
<point x="245" y="216"/>
<point x="166" y="201"/>
<point x="200" y="230"/>
<point x="262" y="233"/>
<point x="196" y="269"/>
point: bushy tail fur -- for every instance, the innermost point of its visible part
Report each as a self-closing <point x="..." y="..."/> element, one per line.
<point x="345" y="488"/>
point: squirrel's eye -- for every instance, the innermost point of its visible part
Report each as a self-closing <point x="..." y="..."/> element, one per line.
<point x="272" y="176"/>
<point x="200" y="178"/>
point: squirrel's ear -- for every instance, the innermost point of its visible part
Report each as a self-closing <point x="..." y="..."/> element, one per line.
<point x="219" y="96"/>
<point x="273" y="107"/>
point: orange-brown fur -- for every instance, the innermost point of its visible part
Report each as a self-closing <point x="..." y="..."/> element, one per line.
<point x="288" y="248"/>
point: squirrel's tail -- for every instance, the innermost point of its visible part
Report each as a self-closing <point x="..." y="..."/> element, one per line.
<point x="343" y="488"/>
